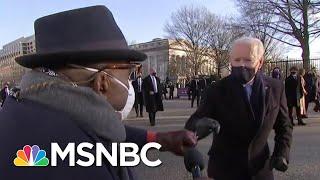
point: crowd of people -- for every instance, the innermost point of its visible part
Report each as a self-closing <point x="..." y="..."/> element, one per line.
<point x="301" y="89"/>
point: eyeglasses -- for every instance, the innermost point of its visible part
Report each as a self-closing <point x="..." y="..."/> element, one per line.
<point x="131" y="67"/>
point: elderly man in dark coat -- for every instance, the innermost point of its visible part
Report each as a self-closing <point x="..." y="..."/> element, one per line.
<point x="77" y="91"/>
<point x="152" y="95"/>
<point x="294" y="91"/>
<point x="248" y="105"/>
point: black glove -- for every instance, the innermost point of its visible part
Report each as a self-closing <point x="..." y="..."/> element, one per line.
<point x="176" y="141"/>
<point x="205" y="126"/>
<point x="279" y="163"/>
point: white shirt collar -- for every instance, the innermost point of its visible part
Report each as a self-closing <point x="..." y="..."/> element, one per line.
<point x="249" y="83"/>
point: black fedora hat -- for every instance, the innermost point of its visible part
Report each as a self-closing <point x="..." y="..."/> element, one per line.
<point x="79" y="36"/>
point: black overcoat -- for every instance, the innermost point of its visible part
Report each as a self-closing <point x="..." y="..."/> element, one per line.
<point x="241" y="148"/>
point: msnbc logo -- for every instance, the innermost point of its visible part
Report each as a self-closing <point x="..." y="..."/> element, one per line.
<point x="31" y="156"/>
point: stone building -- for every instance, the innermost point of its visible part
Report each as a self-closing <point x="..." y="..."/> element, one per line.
<point x="10" y="71"/>
<point x="170" y="60"/>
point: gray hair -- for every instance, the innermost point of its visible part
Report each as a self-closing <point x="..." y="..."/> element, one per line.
<point x="256" y="46"/>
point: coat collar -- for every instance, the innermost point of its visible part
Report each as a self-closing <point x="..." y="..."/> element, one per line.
<point x="238" y="95"/>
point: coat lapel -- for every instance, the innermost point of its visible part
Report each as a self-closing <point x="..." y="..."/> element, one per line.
<point x="266" y="98"/>
<point x="239" y="97"/>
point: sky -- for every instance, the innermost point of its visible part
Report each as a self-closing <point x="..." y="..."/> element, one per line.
<point x="139" y="20"/>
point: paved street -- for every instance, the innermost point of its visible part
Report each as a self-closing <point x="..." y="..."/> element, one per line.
<point x="305" y="156"/>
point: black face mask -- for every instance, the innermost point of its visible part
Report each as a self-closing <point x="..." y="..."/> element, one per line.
<point x="293" y="73"/>
<point x="243" y="74"/>
<point x="154" y="74"/>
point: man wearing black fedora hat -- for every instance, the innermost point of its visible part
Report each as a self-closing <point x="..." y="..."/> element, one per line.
<point x="77" y="91"/>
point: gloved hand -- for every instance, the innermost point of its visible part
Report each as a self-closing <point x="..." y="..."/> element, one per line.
<point x="279" y="163"/>
<point x="176" y="141"/>
<point x="205" y="126"/>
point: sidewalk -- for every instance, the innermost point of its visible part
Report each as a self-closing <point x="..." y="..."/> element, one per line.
<point x="173" y="109"/>
<point x="180" y="109"/>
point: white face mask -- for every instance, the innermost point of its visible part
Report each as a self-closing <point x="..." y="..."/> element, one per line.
<point x="130" y="99"/>
<point x="129" y="103"/>
<point x="131" y="95"/>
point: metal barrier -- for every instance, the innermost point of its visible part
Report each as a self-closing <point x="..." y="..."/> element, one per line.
<point x="285" y="65"/>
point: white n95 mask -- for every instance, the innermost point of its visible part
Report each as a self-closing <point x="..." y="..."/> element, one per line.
<point x="129" y="103"/>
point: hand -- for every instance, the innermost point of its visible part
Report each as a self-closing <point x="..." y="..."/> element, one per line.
<point x="279" y="163"/>
<point x="176" y="141"/>
<point x="151" y="93"/>
<point x="205" y="126"/>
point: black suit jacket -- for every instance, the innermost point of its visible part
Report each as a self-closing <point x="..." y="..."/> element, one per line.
<point x="153" y="102"/>
<point x="138" y="95"/>
<point x="196" y="86"/>
<point x="294" y="90"/>
<point x="242" y="141"/>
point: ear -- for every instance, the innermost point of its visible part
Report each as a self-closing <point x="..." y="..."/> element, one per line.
<point x="261" y="62"/>
<point x="101" y="83"/>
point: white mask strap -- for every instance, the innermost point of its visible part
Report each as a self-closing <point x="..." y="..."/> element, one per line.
<point x="96" y="70"/>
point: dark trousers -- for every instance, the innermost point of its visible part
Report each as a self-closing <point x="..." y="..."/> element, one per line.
<point x="195" y="95"/>
<point x="298" y="112"/>
<point x="165" y="95"/>
<point x="317" y="105"/>
<point x="171" y="95"/>
<point x="308" y="100"/>
<point x="138" y="104"/>
<point x="152" y="118"/>
<point x="139" y="109"/>
<point x="239" y="173"/>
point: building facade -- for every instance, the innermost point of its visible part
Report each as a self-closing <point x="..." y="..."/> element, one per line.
<point x="170" y="60"/>
<point x="10" y="71"/>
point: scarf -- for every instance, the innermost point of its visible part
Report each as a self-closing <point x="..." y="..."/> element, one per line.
<point x="82" y="104"/>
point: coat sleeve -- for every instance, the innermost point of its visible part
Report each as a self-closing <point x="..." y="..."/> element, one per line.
<point x="136" y="135"/>
<point x="283" y="129"/>
<point x="205" y="109"/>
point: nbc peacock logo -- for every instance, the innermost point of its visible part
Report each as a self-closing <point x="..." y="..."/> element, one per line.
<point x="31" y="156"/>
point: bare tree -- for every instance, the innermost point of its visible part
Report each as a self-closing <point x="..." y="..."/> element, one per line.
<point x="296" y="22"/>
<point x="173" y="68"/>
<point x="189" y="27"/>
<point x="220" y="38"/>
<point x="248" y="24"/>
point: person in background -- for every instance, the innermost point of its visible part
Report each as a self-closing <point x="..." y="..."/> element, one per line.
<point x="195" y="87"/>
<point x="171" y="90"/>
<point x="310" y="86"/>
<point x="152" y="94"/>
<point x="317" y="97"/>
<point x="294" y="92"/>
<point x="303" y="110"/>
<point x="138" y="103"/>
<point x="4" y="93"/>
<point x="276" y="73"/>
<point x="164" y="89"/>
<point x="188" y="86"/>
